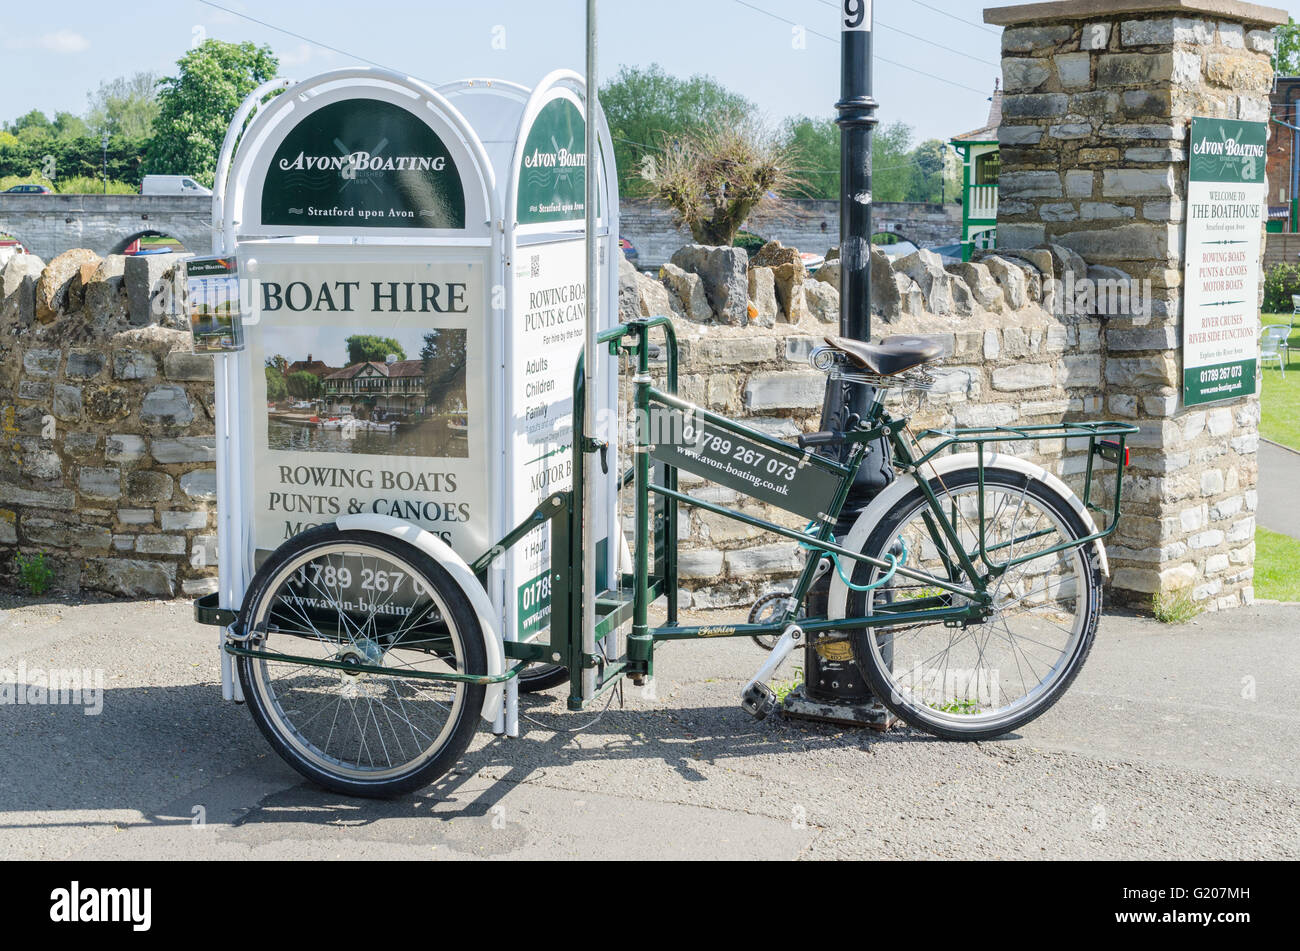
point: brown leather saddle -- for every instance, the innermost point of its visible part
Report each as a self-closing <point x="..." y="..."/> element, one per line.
<point x="893" y="355"/>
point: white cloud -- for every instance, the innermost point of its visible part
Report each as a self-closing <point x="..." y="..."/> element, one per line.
<point x="65" y="41"/>
<point x="61" y="41"/>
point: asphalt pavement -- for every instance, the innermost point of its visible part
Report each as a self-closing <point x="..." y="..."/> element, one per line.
<point x="1175" y="742"/>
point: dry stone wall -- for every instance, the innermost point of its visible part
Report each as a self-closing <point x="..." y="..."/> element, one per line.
<point x="1011" y="358"/>
<point x="106" y="428"/>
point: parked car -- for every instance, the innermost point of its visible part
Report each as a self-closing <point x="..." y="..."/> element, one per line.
<point x="172" y="185"/>
<point x="629" y="251"/>
<point x="30" y="189"/>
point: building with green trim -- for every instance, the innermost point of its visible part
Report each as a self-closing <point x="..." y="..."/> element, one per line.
<point x="981" y="163"/>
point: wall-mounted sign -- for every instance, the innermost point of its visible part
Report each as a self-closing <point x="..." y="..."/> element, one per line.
<point x="1226" y="206"/>
<point x="553" y="172"/>
<point x="363" y="163"/>
<point x="372" y="397"/>
<point x="212" y="300"/>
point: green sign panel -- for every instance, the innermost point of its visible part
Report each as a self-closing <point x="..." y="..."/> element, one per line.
<point x="1226" y="204"/>
<point x="791" y="480"/>
<point x="363" y="163"/>
<point x="553" y="173"/>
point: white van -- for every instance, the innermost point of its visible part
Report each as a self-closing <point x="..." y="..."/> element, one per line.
<point x="172" y="185"/>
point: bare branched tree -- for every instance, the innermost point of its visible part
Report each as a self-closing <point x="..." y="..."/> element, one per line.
<point x="714" y="178"/>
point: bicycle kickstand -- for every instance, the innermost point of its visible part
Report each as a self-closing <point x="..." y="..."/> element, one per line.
<point x="758" y="699"/>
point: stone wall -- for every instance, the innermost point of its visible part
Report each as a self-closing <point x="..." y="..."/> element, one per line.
<point x="1011" y="358"/>
<point x="1094" y="158"/>
<point x="48" y="225"/>
<point x="807" y="225"/>
<point x="106" y="427"/>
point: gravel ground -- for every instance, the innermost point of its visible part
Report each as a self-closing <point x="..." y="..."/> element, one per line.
<point x="1173" y="743"/>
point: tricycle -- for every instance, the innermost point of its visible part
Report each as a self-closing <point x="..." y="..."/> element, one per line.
<point x="968" y="590"/>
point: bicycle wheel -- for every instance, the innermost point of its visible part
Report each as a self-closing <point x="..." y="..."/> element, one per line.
<point x="542" y="677"/>
<point x="359" y="599"/>
<point x="987" y="678"/>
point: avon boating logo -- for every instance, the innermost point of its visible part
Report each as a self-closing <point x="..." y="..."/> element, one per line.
<point x="553" y="172"/>
<point x="363" y="163"/>
<point x="349" y="165"/>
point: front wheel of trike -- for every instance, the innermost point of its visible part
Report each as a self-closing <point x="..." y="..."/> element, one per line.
<point x="990" y="677"/>
<point x="381" y="615"/>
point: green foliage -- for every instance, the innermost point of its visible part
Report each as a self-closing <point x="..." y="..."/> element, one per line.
<point x="1279" y="399"/>
<point x="783" y="688"/>
<point x="644" y="107"/>
<point x="304" y="386"/>
<point x="364" y="347"/>
<point x="750" y="242"/>
<point x="276" y="389"/>
<point x="900" y="172"/>
<point x="35" y="572"/>
<point x="1287" y="59"/>
<point x="815" y="147"/>
<point x="1175" y="606"/>
<point x="88" y="185"/>
<point x="442" y="359"/>
<point x="195" y="106"/>
<point x="1279" y="284"/>
<point x="125" y="106"/>
<point x="72" y="158"/>
<point x="1277" y="566"/>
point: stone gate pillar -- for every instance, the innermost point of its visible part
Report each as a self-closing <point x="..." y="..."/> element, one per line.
<point x="1098" y="100"/>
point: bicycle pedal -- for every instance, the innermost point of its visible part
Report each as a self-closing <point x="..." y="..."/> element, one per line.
<point x="758" y="700"/>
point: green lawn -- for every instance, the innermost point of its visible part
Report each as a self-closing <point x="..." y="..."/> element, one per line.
<point x="1279" y="399"/>
<point x="1276" y="556"/>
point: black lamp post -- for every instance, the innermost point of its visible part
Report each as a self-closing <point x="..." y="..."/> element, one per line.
<point x="833" y="686"/>
<point x="103" y="141"/>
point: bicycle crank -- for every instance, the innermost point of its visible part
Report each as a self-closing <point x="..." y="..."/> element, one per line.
<point x="757" y="698"/>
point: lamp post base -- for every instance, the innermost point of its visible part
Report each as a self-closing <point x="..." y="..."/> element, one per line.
<point x="873" y="715"/>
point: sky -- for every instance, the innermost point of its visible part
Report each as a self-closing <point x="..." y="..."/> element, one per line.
<point x="935" y="67"/>
<point x="750" y="45"/>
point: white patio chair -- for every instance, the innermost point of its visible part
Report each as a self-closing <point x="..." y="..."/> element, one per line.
<point x="1273" y="346"/>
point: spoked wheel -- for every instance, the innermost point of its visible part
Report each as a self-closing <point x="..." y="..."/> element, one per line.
<point x="361" y="601"/>
<point x="989" y="678"/>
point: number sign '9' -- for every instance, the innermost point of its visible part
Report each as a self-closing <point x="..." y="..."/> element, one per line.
<point x="857" y="16"/>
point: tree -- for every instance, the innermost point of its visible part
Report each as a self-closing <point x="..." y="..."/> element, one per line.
<point x="814" y="145"/>
<point x="646" y="106"/>
<point x="443" y="361"/>
<point x="275" y="388"/>
<point x="363" y="348"/>
<point x="891" y="162"/>
<point x="66" y="125"/>
<point x="31" y="127"/>
<point x="1287" y="61"/>
<point x="279" y="363"/>
<point x="196" y="105"/>
<point x="303" y="385"/>
<point x="713" y="179"/>
<point x="931" y="178"/>
<point x="125" y="106"/>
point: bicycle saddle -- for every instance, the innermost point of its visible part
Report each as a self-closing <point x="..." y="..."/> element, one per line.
<point x="891" y="356"/>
